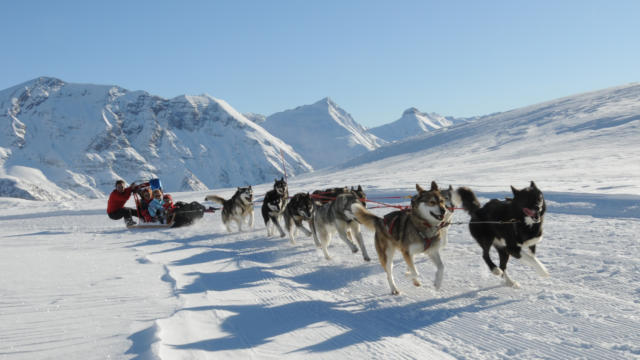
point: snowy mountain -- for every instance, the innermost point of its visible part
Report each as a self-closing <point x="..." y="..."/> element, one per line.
<point x="323" y="133"/>
<point x="412" y="123"/>
<point x="256" y="118"/>
<point x="65" y="140"/>
<point x="581" y="135"/>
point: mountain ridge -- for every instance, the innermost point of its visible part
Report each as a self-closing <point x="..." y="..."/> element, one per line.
<point x="87" y="136"/>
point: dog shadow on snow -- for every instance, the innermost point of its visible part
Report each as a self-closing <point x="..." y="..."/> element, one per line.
<point x="254" y="325"/>
<point x="249" y="257"/>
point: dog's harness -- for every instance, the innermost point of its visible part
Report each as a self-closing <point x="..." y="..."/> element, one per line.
<point x="390" y="225"/>
<point x="425" y="238"/>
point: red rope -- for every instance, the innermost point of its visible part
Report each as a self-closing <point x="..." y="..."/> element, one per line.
<point x="392" y="197"/>
<point x="401" y="207"/>
<point x="317" y="196"/>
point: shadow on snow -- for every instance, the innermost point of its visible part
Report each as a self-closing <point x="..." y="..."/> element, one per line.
<point x="369" y="325"/>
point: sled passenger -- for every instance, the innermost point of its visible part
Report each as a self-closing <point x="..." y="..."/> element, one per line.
<point x="117" y="199"/>
<point x="168" y="202"/>
<point x="156" y="206"/>
<point x="146" y="198"/>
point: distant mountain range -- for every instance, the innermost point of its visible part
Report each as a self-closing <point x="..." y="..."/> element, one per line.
<point x="412" y="123"/>
<point x="65" y="140"/>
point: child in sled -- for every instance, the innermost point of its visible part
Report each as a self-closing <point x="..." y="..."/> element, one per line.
<point x="156" y="206"/>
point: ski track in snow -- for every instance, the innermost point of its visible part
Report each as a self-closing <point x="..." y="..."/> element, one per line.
<point x="76" y="285"/>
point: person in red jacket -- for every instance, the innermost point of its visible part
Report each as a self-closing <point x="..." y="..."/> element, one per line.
<point x="118" y="198"/>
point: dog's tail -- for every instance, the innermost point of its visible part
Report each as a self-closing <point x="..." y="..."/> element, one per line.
<point x="469" y="200"/>
<point x="214" y="198"/>
<point x="367" y="218"/>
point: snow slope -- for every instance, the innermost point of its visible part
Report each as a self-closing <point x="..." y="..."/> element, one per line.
<point x="77" y="139"/>
<point x="412" y="123"/>
<point x="323" y="133"/>
<point x="593" y="136"/>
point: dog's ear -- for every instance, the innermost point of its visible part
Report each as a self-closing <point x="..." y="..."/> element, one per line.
<point x="450" y="188"/>
<point x="533" y="185"/>
<point x="359" y="188"/>
<point x="419" y="189"/>
<point x="434" y="186"/>
<point x="514" y="191"/>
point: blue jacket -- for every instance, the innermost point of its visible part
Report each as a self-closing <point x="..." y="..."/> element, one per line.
<point x="154" y="206"/>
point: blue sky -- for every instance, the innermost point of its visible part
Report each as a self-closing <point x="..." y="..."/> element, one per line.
<point x="373" y="58"/>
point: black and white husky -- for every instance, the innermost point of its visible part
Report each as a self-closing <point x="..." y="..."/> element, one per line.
<point x="300" y="208"/>
<point x="512" y="226"/>
<point x="273" y="206"/>
<point x="239" y="208"/>
<point x="337" y="216"/>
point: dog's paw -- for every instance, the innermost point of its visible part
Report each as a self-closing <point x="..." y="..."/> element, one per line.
<point x="497" y="271"/>
<point x="395" y="292"/>
<point x="543" y="272"/>
<point x="416" y="282"/>
<point x="513" y="284"/>
<point x="367" y="259"/>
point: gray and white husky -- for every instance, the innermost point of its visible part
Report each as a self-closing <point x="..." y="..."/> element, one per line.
<point x="337" y="216"/>
<point x="412" y="231"/>
<point x="239" y="208"/>
<point x="300" y="208"/>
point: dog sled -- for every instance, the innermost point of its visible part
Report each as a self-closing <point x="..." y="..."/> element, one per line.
<point x="180" y="213"/>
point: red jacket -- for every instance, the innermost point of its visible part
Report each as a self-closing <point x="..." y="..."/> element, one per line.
<point x="117" y="200"/>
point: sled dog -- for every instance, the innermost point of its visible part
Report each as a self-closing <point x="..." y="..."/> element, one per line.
<point x="281" y="187"/>
<point x="300" y="208"/>
<point x="512" y="226"/>
<point x="239" y="208"/>
<point x="338" y="216"/>
<point x="273" y="205"/>
<point x="412" y="231"/>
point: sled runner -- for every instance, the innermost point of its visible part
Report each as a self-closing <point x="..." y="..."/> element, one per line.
<point x="149" y="225"/>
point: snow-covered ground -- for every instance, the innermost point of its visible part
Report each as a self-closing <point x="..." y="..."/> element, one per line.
<point x="77" y="285"/>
